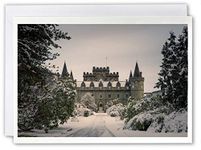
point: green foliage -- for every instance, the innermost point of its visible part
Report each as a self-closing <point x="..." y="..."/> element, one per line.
<point x="35" y="46"/>
<point x="173" y="76"/>
<point x="153" y="105"/>
<point x="140" y="122"/>
<point x="36" y="41"/>
<point x="173" y="79"/>
<point x="43" y="100"/>
<point x="143" y="126"/>
<point x="57" y="104"/>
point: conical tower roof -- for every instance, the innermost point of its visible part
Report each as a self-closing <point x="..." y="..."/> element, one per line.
<point x="130" y="76"/>
<point x="65" y="71"/>
<point x="137" y="71"/>
<point x="71" y="75"/>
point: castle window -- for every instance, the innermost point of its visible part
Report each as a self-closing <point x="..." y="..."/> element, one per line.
<point x="118" y="84"/>
<point x="109" y="84"/>
<point x="126" y="95"/>
<point x="117" y="95"/>
<point x="92" y="85"/>
<point x="83" y="85"/>
<point x="127" y="84"/>
<point x="101" y="96"/>
<point x="109" y="96"/>
<point x="100" y="84"/>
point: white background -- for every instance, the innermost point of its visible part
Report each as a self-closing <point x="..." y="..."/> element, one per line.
<point x="194" y="7"/>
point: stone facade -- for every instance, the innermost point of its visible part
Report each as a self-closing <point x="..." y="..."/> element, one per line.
<point x="105" y="86"/>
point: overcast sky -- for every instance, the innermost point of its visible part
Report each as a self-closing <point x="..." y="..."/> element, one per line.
<point x="123" y="45"/>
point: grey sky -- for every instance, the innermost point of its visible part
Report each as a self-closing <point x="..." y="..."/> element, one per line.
<point x="123" y="45"/>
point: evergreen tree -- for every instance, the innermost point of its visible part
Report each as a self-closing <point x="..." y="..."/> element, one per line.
<point x="57" y="103"/>
<point x="35" y="46"/>
<point x="181" y="71"/>
<point x="174" y="69"/>
<point x="165" y="79"/>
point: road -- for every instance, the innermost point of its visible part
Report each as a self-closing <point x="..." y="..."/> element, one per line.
<point x="95" y="128"/>
<point x="98" y="125"/>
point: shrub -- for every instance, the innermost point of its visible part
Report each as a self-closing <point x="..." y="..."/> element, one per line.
<point x="139" y="122"/>
<point x="89" y="102"/>
<point x="86" y="113"/>
<point x="116" y="110"/>
<point x="152" y="104"/>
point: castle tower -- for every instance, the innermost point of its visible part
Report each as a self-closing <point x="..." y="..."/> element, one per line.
<point x="137" y="84"/>
<point x="64" y="71"/>
<point x="71" y="75"/>
<point x="130" y="76"/>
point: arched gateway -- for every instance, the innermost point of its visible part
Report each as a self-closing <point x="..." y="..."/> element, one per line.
<point x="100" y="107"/>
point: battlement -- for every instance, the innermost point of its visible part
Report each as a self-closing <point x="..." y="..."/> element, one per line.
<point x="100" y="69"/>
<point x="99" y="73"/>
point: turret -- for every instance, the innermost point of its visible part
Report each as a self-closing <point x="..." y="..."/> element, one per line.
<point x="137" y="84"/>
<point x="64" y="71"/>
<point x="137" y="71"/>
<point x="130" y="76"/>
<point x="71" y="75"/>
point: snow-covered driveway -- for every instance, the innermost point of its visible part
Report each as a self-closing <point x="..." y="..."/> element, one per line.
<point x="92" y="126"/>
<point x="98" y="125"/>
<point x="95" y="127"/>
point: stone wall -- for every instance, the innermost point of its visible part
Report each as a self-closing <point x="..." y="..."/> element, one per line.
<point x="105" y="95"/>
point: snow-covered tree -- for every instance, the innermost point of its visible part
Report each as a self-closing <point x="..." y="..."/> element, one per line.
<point x="181" y="71"/>
<point x="166" y="112"/>
<point x="173" y="76"/>
<point x="154" y="103"/>
<point x="35" y="46"/>
<point x="116" y="110"/>
<point x="89" y="101"/>
<point x="56" y="104"/>
<point x="139" y="115"/>
<point x="165" y="79"/>
<point x="29" y="99"/>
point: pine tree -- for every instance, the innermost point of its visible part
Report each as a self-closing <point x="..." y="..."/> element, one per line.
<point x="35" y="46"/>
<point x="181" y="71"/>
<point x="165" y="79"/>
<point x="173" y="76"/>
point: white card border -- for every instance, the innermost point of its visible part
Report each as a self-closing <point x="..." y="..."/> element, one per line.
<point x="104" y="20"/>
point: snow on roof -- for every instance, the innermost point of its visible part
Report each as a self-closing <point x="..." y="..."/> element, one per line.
<point x="105" y="83"/>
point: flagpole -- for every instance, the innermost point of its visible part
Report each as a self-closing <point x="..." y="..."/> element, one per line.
<point x="106" y="61"/>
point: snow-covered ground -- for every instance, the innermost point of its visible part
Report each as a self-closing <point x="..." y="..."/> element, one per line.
<point x="98" y="125"/>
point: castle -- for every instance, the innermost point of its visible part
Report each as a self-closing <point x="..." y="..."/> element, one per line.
<point x="105" y="86"/>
